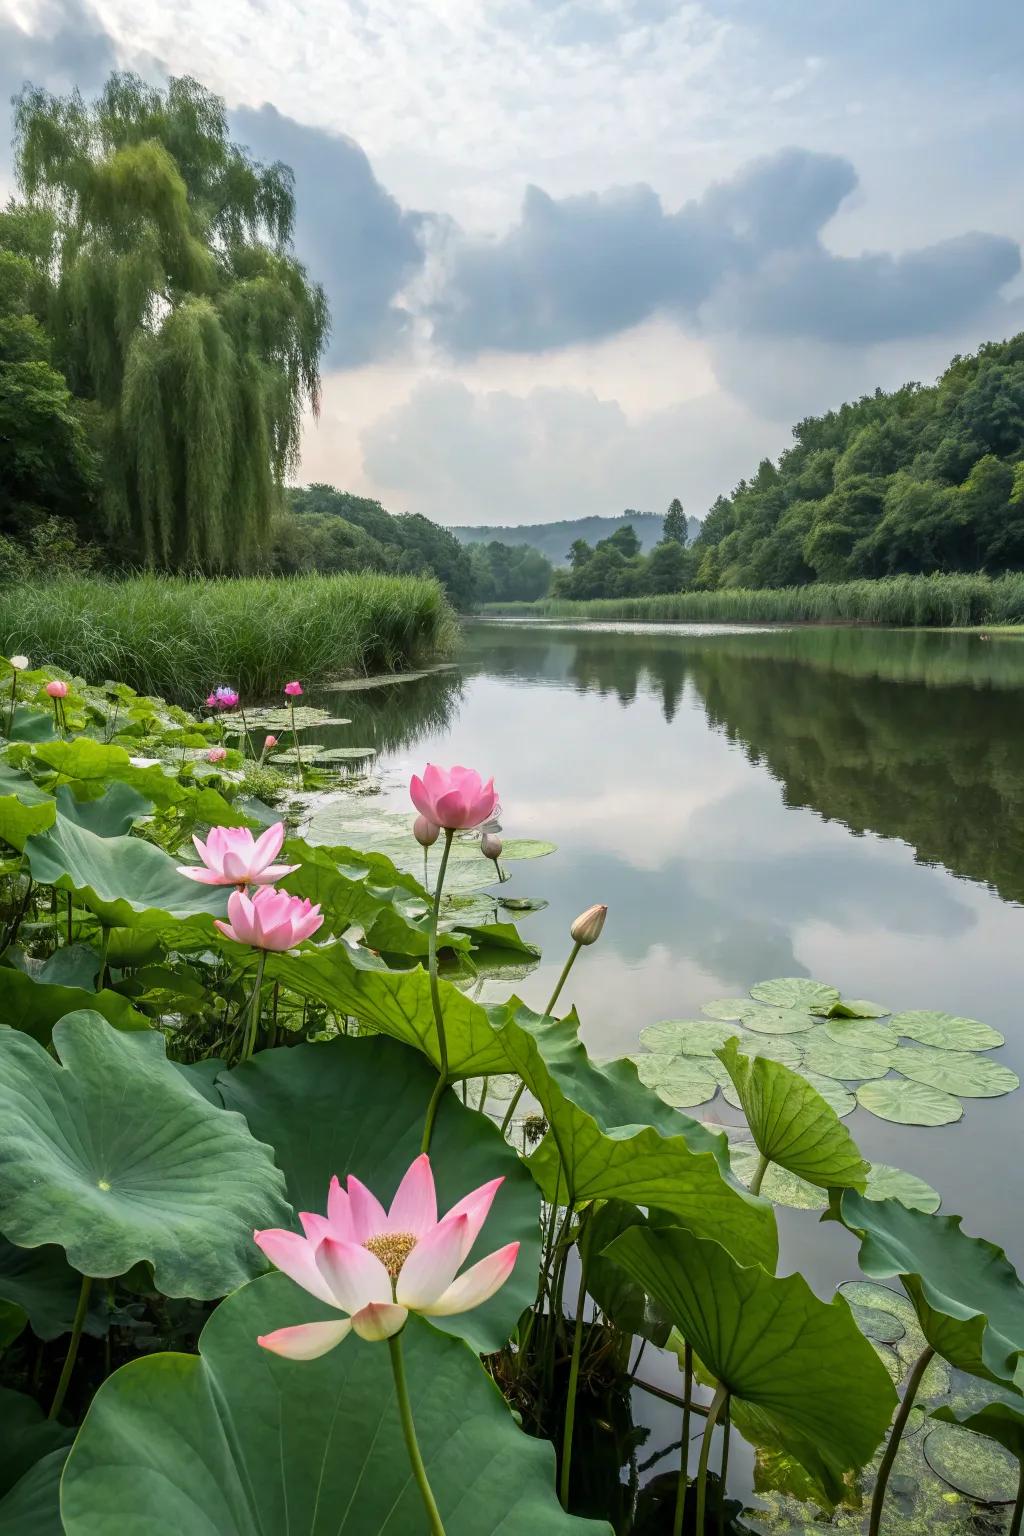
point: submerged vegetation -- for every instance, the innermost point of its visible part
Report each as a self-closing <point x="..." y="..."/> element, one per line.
<point x="171" y="635"/>
<point x="941" y="600"/>
<point x="284" y="1025"/>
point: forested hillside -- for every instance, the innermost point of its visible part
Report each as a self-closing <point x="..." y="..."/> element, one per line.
<point x="555" y="539"/>
<point x="922" y="479"/>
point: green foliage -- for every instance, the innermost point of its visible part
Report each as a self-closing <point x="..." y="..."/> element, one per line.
<point x="177" y="308"/>
<point x="509" y="573"/>
<point x="177" y="636"/>
<point x="181" y="1443"/>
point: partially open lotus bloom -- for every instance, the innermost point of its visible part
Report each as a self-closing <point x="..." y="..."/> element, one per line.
<point x="57" y="689"/>
<point x="19" y="663"/>
<point x="222" y="698"/>
<point x="377" y="1266"/>
<point x="271" y="741"/>
<point x="425" y="832"/>
<point x="270" y="919"/>
<point x="216" y="754"/>
<point x="453" y="798"/>
<point x="293" y="690"/>
<point x="232" y="856"/>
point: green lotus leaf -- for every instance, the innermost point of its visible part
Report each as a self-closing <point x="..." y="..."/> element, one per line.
<point x="32" y="1508"/>
<point x="777" y="1021"/>
<point x="886" y="1183"/>
<point x="791" y="1123"/>
<point x="32" y="723"/>
<point x="73" y="965"/>
<point x="112" y="1155"/>
<point x="779" y="1185"/>
<point x="966" y="1294"/>
<point x="311" y="752"/>
<point x="846" y="1062"/>
<point x="907" y="1103"/>
<point x="112" y="815"/>
<point x="959" y="1072"/>
<point x="127" y="882"/>
<point x="620" y="1298"/>
<point x="972" y="1463"/>
<point x="522" y="904"/>
<point x="725" y="1007"/>
<point x="13" y="1322"/>
<point x="87" y="767"/>
<point x="352" y="981"/>
<point x="862" y="1034"/>
<point x="945" y="1030"/>
<point x="357" y="1106"/>
<point x="42" y="1283"/>
<point x="796" y="992"/>
<point x="858" y="1008"/>
<point x="835" y="1093"/>
<point x="679" y="1080"/>
<point x="799" y="1369"/>
<point x="34" y="1006"/>
<point x="688" y="1037"/>
<point x="611" y="1137"/>
<point x="234" y="1440"/>
<point x="1001" y="1421"/>
<point x="875" y="1324"/>
<point x="26" y="1436"/>
<point x="25" y="809"/>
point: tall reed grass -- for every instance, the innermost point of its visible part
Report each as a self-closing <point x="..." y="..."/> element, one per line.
<point x="944" y="601"/>
<point x="177" y="636"/>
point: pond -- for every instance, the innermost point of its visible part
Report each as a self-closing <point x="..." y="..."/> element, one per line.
<point x="843" y="804"/>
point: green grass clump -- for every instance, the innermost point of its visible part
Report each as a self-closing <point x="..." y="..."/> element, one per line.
<point x="943" y="601"/>
<point x="179" y="636"/>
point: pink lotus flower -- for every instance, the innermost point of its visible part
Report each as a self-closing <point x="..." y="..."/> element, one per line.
<point x="216" y="754"/>
<point x="271" y="741"/>
<point x="453" y="798"/>
<point x="270" y="920"/>
<point x="57" y="689"/>
<point x="222" y="698"/>
<point x="378" y="1266"/>
<point x="293" y="690"/>
<point x="232" y="856"/>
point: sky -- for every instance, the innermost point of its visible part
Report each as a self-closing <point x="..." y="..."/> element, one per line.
<point x="584" y="255"/>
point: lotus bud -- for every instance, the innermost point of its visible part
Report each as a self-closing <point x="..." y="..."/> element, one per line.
<point x="19" y="663"/>
<point x="490" y="846"/>
<point x="425" y="832"/>
<point x="57" y="689"/>
<point x="271" y="741"/>
<point x="216" y="755"/>
<point x="587" y="927"/>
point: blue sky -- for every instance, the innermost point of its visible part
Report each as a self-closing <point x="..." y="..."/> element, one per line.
<point x="588" y="254"/>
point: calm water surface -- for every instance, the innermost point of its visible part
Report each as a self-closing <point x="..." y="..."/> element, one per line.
<point x="837" y="803"/>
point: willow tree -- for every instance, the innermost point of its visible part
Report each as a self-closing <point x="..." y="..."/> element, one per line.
<point x="178" y="306"/>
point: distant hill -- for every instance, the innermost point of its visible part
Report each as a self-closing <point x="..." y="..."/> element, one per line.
<point x="553" y="539"/>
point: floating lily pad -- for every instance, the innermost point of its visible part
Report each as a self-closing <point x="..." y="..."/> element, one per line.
<point x="779" y="1186"/>
<point x="796" y="992"/>
<point x="845" y="1061"/>
<point x="886" y="1183"/>
<point x="971" y="1076"/>
<point x="946" y="1030"/>
<point x="972" y="1464"/>
<point x="776" y="1021"/>
<point x="858" y="1008"/>
<point x="315" y="756"/>
<point x="861" y="1034"/>
<point x="522" y="903"/>
<point x="906" y="1103"/>
<point x="524" y="848"/>
<point x="890" y="1359"/>
<point x="688" y="1037"/>
<point x="725" y="1007"/>
<point x="679" y="1080"/>
<point x="833" y="1092"/>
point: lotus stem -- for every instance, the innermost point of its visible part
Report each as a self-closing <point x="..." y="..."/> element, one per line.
<point x="419" y="1471"/>
<point x="104" y="946"/>
<point x="763" y="1164"/>
<point x="684" y="1449"/>
<point x="583" y="1244"/>
<point x="552" y="1000"/>
<point x="245" y="729"/>
<point x="14" y="702"/>
<point x="1018" y="1508"/>
<point x="15" y="927"/>
<point x="72" y="1354"/>
<point x="295" y="742"/>
<point x="253" y="1021"/>
<point x="718" y="1402"/>
<point x="895" y="1436"/>
<point x="723" y="1472"/>
<point x="435" y="998"/>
